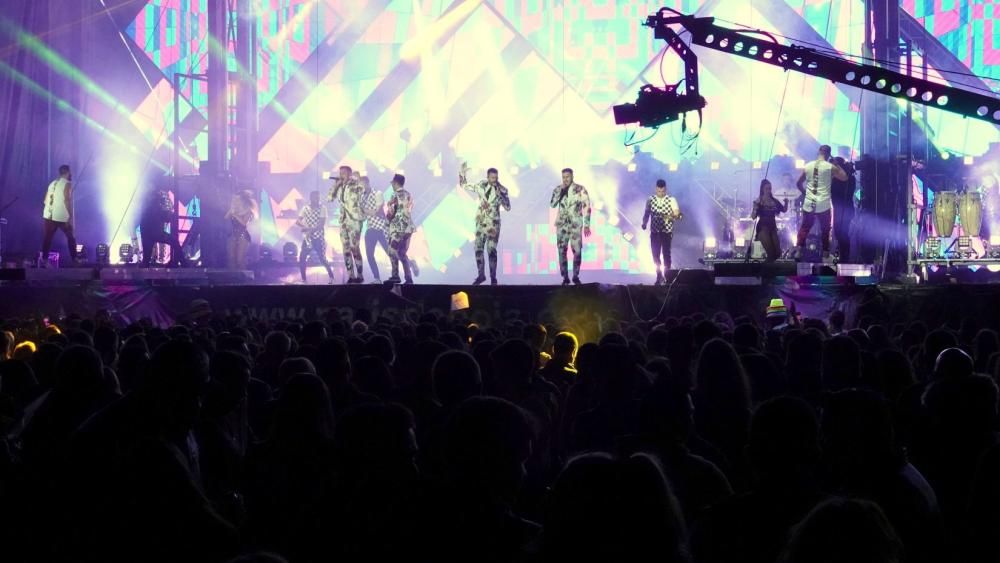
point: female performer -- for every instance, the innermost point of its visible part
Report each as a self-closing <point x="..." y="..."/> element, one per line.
<point x="766" y="208"/>
<point x="241" y="212"/>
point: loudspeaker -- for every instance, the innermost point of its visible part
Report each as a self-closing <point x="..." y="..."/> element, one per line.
<point x="11" y="274"/>
<point x="754" y="269"/>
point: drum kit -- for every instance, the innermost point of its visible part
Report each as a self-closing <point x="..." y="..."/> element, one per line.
<point x="967" y="207"/>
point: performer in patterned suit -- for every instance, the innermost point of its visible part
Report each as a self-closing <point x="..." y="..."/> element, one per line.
<point x="349" y="192"/>
<point x="572" y="223"/>
<point x="312" y="221"/>
<point x="662" y="210"/>
<point x="401" y="228"/>
<point x="492" y="195"/>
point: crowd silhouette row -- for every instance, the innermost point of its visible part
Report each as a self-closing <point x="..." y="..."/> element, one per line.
<point x="702" y="439"/>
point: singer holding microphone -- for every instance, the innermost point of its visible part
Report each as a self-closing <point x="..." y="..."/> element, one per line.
<point x="765" y="209"/>
<point x="572" y="223"/>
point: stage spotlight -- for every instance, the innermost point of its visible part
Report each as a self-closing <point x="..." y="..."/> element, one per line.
<point x="265" y="254"/>
<point x="125" y="253"/>
<point x="994" y="246"/>
<point x="932" y="248"/>
<point x="714" y="166"/>
<point x="736" y="160"/>
<point x="711" y="248"/>
<point x="945" y="155"/>
<point x="757" y="165"/>
<point x="631" y="167"/>
<point x="969" y="160"/>
<point x="290" y="252"/>
<point x="672" y="167"/>
<point x="799" y="163"/>
<point x="81" y="252"/>
<point x="965" y="246"/>
<point x="103" y="254"/>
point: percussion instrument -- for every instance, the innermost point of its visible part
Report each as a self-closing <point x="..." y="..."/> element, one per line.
<point x="970" y="212"/>
<point x="945" y="209"/>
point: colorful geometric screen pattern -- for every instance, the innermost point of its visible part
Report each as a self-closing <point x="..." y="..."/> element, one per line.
<point x="525" y="86"/>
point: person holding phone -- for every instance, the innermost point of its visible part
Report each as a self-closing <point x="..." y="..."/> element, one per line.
<point x="57" y="214"/>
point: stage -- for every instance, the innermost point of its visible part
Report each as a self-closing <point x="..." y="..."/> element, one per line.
<point x="169" y="296"/>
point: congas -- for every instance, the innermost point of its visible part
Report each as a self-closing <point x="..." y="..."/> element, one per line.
<point x="970" y="212"/>
<point x="945" y="209"/>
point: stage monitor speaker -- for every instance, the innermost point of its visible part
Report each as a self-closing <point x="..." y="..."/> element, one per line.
<point x="755" y="269"/>
<point x="12" y="274"/>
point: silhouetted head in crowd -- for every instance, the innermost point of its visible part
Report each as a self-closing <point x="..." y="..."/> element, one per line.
<point x="230" y="375"/>
<point x="840" y="530"/>
<point x="986" y="343"/>
<point x="858" y="438"/>
<point x="607" y="509"/>
<point x="667" y="411"/>
<point x="837" y="320"/>
<point x="294" y="366"/>
<point x="376" y="442"/>
<point x="278" y="344"/>
<point x="535" y="335"/>
<point x="106" y="343"/>
<point x="456" y="378"/>
<point x="936" y="342"/>
<point x="303" y="414"/>
<point x="175" y="386"/>
<point x="720" y="379"/>
<point x="896" y="373"/>
<point x="487" y="442"/>
<point x="313" y="333"/>
<point x="746" y="337"/>
<point x="427" y="331"/>
<point x="333" y="364"/>
<point x="564" y="347"/>
<point x="79" y="373"/>
<point x="953" y="362"/>
<point x="841" y="363"/>
<point x="965" y="407"/>
<point x="513" y="364"/>
<point x="6" y="344"/>
<point x="371" y="375"/>
<point x="784" y="442"/>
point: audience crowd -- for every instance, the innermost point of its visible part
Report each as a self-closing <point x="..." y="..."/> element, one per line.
<point x="702" y="439"/>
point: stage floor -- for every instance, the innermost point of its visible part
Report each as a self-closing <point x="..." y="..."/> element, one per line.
<point x="169" y="296"/>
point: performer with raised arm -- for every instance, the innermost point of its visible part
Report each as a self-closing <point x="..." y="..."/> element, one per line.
<point x="492" y="195"/>
<point x="816" y="183"/>
<point x="58" y="214"/>
<point x="312" y="221"/>
<point x="766" y="208"/>
<point x="662" y="210"/>
<point x="349" y="192"/>
<point x="572" y="223"/>
<point x="401" y="228"/>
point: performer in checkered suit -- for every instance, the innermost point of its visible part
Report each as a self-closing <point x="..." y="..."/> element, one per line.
<point x="377" y="230"/>
<point x="312" y="221"/>
<point x="661" y="212"/>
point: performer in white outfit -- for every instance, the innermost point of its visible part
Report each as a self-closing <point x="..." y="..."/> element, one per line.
<point x="816" y="182"/>
<point x="58" y="214"/>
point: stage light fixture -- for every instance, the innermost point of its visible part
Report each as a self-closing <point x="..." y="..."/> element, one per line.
<point x="965" y="246"/>
<point x="81" y="252"/>
<point x="125" y="253"/>
<point x="969" y="160"/>
<point x="932" y="248"/>
<point x="265" y="254"/>
<point x="714" y="166"/>
<point x="711" y="248"/>
<point x="290" y="252"/>
<point x="103" y="254"/>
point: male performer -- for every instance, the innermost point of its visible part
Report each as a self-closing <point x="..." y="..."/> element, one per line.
<point x="572" y="223"/>
<point x="815" y="183"/>
<point x="492" y="194"/>
<point x="378" y="225"/>
<point x="663" y="210"/>
<point x="159" y="210"/>
<point x="842" y="196"/>
<point x="312" y="221"/>
<point x="400" y="228"/>
<point x="58" y="214"/>
<point x="349" y="191"/>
